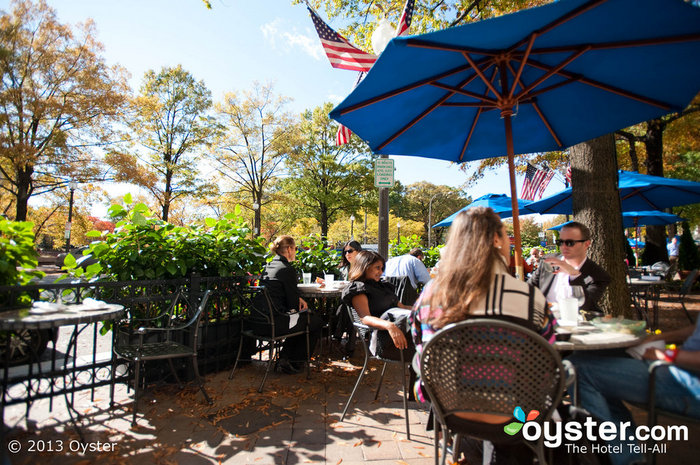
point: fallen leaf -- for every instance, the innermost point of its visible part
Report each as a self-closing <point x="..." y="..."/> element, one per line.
<point x="358" y="443"/>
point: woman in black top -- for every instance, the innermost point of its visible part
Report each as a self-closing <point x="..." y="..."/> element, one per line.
<point x="371" y="297"/>
<point x="280" y="279"/>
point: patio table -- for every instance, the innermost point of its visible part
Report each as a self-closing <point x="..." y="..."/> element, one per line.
<point x="646" y="293"/>
<point x="586" y="336"/>
<point x="75" y="316"/>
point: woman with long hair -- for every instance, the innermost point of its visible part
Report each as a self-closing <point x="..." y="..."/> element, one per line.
<point x="349" y="252"/>
<point x="474" y="282"/>
<point x="280" y="279"/>
<point x="371" y="297"/>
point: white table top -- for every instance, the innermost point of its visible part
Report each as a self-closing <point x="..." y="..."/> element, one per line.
<point x="588" y="337"/>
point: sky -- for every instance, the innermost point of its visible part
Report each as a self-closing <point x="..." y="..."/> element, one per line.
<point x="237" y="43"/>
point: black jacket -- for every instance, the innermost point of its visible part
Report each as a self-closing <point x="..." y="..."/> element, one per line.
<point x="280" y="279"/>
<point x="593" y="279"/>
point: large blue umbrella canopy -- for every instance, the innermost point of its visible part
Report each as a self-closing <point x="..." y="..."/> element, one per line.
<point x="536" y="80"/>
<point x="633" y="219"/>
<point x="638" y="192"/>
<point x="500" y="203"/>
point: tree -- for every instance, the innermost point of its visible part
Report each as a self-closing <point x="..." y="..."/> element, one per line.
<point x="446" y="201"/>
<point x="593" y="165"/>
<point x="688" y="255"/>
<point x="326" y="179"/>
<point x="171" y="125"/>
<point x="258" y="135"/>
<point x="58" y="99"/>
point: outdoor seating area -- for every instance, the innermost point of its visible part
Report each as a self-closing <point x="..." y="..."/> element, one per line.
<point x="295" y="420"/>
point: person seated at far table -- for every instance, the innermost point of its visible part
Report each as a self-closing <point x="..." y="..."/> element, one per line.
<point x="372" y="299"/>
<point x="474" y="282"/>
<point x="349" y="252"/>
<point x="411" y="265"/>
<point x="604" y="382"/>
<point x="534" y="259"/>
<point x="556" y="275"/>
<point x="280" y="279"/>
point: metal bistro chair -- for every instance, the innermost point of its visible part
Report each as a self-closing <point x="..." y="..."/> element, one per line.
<point x="655" y="411"/>
<point x="683" y="293"/>
<point x="488" y="366"/>
<point x="363" y="332"/>
<point x="167" y="347"/>
<point x="251" y="329"/>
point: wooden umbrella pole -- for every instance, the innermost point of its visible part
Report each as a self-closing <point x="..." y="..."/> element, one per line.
<point x="514" y="197"/>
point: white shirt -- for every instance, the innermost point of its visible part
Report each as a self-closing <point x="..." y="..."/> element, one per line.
<point x="561" y="289"/>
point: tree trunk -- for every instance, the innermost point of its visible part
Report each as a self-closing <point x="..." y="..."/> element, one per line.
<point x="655" y="247"/>
<point x="324" y="221"/>
<point x="596" y="203"/>
<point x="24" y="187"/>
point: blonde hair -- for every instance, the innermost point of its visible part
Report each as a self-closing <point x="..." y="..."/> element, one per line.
<point x="467" y="266"/>
<point x="281" y="242"/>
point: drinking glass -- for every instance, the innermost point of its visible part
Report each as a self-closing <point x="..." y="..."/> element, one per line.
<point x="577" y="293"/>
<point x="307" y="278"/>
<point x="329" y="278"/>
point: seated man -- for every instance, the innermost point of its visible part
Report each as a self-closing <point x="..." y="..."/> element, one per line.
<point x="572" y="268"/>
<point x="604" y="382"/>
<point x="410" y="265"/>
<point x="534" y="259"/>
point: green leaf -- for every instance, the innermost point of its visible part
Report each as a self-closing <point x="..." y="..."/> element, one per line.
<point x="69" y="261"/>
<point x="139" y="219"/>
<point x="93" y="233"/>
<point x="128" y="199"/>
<point x="210" y="222"/>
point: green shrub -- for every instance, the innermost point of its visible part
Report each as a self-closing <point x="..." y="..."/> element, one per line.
<point x="316" y="257"/>
<point x="144" y="247"/>
<point x="18" y="257"/>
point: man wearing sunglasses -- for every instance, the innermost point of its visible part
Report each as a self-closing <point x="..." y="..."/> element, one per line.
<point x="572" y="268"/>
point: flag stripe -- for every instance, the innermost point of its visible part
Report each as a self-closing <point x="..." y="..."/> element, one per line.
<point x="535" y="182"/>
<point x="406" y="17"/>
<point x="343" y="135"/>
<point x="339" y="51"/>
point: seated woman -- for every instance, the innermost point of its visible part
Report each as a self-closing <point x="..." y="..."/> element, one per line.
<point x="474" y="282"/>
<point x="371" y="298"/>
<point x="350" y="250"/>
<point x="280" y="279"/>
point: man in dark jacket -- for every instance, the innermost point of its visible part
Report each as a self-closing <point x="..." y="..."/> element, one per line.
<point x="556" y="276"/>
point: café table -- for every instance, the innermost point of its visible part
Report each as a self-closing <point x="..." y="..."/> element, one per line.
<point x="77" y="317"/>
<point x="327" y="300"/>
<point x="646" y="293"/>
<point x="586" y="336"/>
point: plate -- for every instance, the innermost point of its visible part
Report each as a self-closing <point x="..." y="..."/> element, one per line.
<point x="619" y="325"/>
<point x="308" y="286"/>
<point x="45" y="308"/>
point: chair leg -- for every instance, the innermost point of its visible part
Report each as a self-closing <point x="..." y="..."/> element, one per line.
<point x="405" y="397"/>
<point x="137" y="381"/>
<point x="308" y="352"/>
<point x="271" y="358"/>
<point x="357" y="383"/>
<point x="381" y="380"/>
<point x="687" y="313"/>
<point x="172" y="370"/>
<point x="200" y="381"/>
<point x="238" y="357"/>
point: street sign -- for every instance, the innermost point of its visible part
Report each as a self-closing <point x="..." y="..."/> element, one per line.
<point x="384" y="172"/>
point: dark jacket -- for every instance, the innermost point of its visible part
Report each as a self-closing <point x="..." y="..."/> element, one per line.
<point x="593" y="279"/>
<point x="280" y="279"/>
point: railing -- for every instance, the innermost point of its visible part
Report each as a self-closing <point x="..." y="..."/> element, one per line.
<point x="220" y="328"/>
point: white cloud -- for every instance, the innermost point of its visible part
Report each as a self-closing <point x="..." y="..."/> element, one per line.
<point x="335" y="98"/>
<point x="278" y="38"/>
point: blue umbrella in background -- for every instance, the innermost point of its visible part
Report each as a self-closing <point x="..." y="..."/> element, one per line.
<point x="638" y="192"/>
<point x="634" y="219"/>
<point x="635" y="243"/>
<point x="500" y="203"/>
<point x="540" y="79"/>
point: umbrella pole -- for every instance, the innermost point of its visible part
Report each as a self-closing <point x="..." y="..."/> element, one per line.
<point x="513" y="196"/>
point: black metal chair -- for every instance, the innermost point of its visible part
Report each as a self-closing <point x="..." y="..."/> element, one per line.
<point x="265" y="318"/>
<point x="683" y="292"/>
<point x="488" y="366"/>
<point x="177" y="336"/>
<point x="363" y="333"/>
<point x="403" y="289"/>
<point x="654" y="411"/>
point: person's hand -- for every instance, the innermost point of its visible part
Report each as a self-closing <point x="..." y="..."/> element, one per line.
<point x="398" y="337"/>
<point x="654" y="354"/>
<point x="302" y="304"/>
<point x="561" y="265"/>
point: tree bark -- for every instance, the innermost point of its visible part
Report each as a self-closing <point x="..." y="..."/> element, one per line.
<point x="596" y="203"/>
<point x="655" y="247"/>
<point x="24" y="191"/>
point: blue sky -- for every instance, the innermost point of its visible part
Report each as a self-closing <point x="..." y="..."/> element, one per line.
<point x="235" y="44"/>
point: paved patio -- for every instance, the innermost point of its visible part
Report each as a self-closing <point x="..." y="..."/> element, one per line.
<point x="294" y="421"/>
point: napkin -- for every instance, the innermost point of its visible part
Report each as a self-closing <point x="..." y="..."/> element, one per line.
<point x="638" y="351"/>
<point x="596" y="338"/>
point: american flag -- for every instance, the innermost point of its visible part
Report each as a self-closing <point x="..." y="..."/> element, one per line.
<point x="341" y="53"/>
<point x="568" y="176"/>
<point x="535" y="182"/>
<point x="343" y="135"/>
<point x="406" y="16"/>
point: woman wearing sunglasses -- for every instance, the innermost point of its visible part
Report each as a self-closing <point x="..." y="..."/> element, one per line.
<point x="350" y="250"/>
<point x="556" y="275"/>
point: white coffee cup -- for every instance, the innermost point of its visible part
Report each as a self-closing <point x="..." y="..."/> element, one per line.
<point x="307" y="278"/>
<point x="329" y="278"/>
<point x="568" y="309"/>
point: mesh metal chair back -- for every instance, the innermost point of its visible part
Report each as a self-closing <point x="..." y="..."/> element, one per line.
<point x="403" y="289"/>
<point x="488" y="366"/>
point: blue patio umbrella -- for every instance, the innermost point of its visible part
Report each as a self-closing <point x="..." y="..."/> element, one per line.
<point x="638" y="192"/>
<point x="500" y="203"/>
<point x="635" y="243"/>
<point x="536" y="80"/>
<point x="634" y="219"/>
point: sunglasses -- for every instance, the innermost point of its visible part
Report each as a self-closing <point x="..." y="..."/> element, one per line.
<point x="569" y="242"/>
<point x="347" y="251"/>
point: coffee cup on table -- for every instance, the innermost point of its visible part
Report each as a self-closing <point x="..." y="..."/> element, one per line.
<point x="329" y="278"/>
